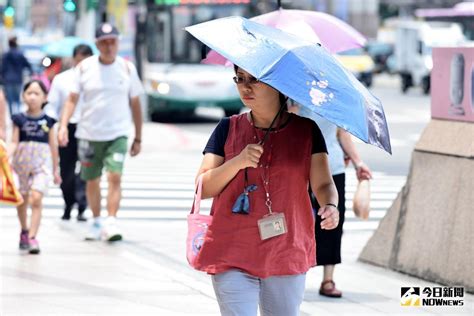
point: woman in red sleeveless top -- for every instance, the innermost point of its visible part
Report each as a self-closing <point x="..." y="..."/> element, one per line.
<point x="257" y="166"/>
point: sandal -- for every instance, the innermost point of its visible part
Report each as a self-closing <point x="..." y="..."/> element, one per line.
<point x="329" y="291"/>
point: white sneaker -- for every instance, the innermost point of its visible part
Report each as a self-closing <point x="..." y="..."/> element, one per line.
<point x="95" y="231"/>
<point x="110" y="231"/>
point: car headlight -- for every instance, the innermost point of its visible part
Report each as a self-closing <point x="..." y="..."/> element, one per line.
<point x="163" y="88"/>
<point x="160" y="87"/>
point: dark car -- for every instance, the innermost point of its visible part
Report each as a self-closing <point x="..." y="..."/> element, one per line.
<point x="380" y="52"/>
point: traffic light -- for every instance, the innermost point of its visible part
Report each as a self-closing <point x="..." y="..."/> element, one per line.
<point x="9" y="17"/>
<point x="70" y="5"/>
<point x="9" y="11"/>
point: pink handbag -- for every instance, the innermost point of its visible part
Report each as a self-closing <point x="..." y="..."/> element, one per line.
<point x="197" y="227"/>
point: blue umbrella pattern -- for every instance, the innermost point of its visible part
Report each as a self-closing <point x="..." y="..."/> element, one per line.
<point x="302" y="70"/>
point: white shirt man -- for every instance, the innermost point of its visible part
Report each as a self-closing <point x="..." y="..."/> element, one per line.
<point x="110" y="90"/>
<point x="106" y="91"/>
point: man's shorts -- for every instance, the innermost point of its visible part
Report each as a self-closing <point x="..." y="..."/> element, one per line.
<point x="94" y="156"/>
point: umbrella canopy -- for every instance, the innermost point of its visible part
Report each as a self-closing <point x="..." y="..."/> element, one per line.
<point x="318" y="27"/>
<point x="65" y="46"/>
<point x="303" y="71"/>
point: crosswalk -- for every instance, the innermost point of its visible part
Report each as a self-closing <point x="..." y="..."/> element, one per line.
<point x="384" y="189"/>
<point x="162" y="189"/>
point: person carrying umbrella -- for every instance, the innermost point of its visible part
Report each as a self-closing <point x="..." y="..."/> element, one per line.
<point x="258" y="165"/>
<point x="260" y="246"/>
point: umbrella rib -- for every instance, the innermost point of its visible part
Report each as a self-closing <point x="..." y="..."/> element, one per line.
<point x="270" y="66"/>
<point x="301" y="70"/>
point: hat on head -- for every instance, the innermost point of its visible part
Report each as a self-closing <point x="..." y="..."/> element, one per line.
<point x="106" y="31"/>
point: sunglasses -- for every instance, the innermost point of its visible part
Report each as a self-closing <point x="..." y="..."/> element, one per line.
<point x="243" y="80"/>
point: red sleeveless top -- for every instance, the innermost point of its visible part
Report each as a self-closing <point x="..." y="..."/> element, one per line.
<point x="232" y="240"/>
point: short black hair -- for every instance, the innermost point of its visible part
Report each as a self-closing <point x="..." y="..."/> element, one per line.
<point x="41" y="85"/>
<point x="283" y="98"/>
<point x="82" y="49"/>
<point x="39" y="82"/>
<point x="12" y="42"/>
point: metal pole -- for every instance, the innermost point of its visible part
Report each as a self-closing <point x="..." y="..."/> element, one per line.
<point x="279" y="4"/>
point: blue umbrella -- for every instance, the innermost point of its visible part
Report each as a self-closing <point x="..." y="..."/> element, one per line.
<point x="65" y="46"/>
<point x="301" y="70"/>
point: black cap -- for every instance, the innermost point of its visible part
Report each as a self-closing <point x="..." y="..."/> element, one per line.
<point x="106" y="31"/>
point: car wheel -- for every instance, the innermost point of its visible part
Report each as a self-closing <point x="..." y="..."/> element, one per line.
<point x="406" y="83"/>
<point x="368" y="82"/>
<point x="425" y="85"/>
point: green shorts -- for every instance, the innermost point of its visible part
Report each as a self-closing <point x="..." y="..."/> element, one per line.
<point x="95" y="155"/>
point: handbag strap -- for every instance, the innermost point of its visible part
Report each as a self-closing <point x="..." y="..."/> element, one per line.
<point x="197" y="196"/>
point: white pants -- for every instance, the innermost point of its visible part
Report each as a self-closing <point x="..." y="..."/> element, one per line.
<point x="240" y="294"/>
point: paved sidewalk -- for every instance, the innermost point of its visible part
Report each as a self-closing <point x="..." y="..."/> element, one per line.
<point x="147" y="274"/>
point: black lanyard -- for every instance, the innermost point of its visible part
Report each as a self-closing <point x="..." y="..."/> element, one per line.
<point x="262" y="141"/>
<point x="242" y="204"/>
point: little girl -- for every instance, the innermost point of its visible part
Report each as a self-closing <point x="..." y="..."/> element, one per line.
<point x="33" y="147"/>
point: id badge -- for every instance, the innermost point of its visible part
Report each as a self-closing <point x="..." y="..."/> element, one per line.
<point x="272" y="225"/>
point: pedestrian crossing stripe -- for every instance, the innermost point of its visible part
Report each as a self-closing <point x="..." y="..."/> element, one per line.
<point x="185" y="204"/>
<point x="163" y="193"/>
<point x="188" y="194"/>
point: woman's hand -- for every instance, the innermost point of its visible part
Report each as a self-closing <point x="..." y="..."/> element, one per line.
<point x="330" y="216"/>
<point x="250" y="156"/>
<point x="363" y="172"/>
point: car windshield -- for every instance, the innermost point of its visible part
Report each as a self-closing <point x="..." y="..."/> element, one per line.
<point x="379" y="48"/>
<point x="353" y="52"/>
<point x="166" y="39"/>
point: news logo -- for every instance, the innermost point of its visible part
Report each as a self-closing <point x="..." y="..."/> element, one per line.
<point x="410" y="296"/>
<point x="432" y="296"/>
